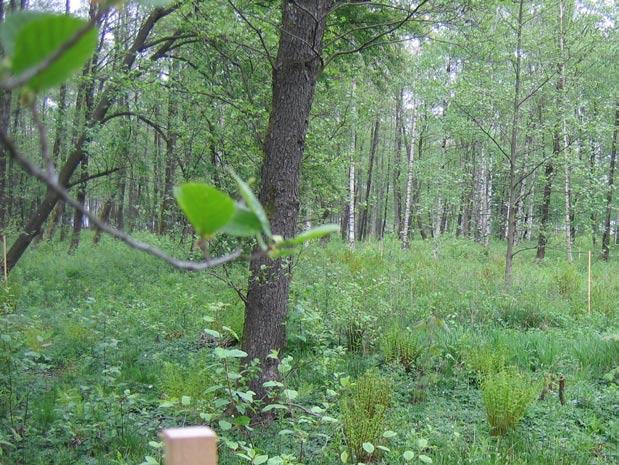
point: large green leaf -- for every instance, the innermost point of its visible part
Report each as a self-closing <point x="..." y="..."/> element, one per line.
<point x="243" y="223"/>
<point x="37" y="38"/>
<point x="11" y="27"/>
<point x="253" y="204"/>
<point x="207" y="208"/>
<point x="314" y="233"/>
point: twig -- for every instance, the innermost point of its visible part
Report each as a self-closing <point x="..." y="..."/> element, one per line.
<point x="52" y="184"/>
<point x="43" y="141"/>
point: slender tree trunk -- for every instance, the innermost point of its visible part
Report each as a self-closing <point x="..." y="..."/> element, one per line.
<point x="513" y="153"/>
<point x="568" y="168"/>
<point x="363" y="228"/>
<point x="104" y="217"/>
<point x="295" y="73"/>
<point x="170" y="163"/>
<point x="351" y="176"/>
<point x="397" y="195"/>
<point x="404" y="234"/>
<point x="609" y="192"/>
<point x="5" y="118"/>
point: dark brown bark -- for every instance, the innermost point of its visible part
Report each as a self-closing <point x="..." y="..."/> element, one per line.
<point x="397" y="193"/>
<point x="104" y="217"/>
<point x="5" y="112"/>
<point x="513" y="153"/>
<point x="34" y="224"/>
<point x="295" y="73"/>
<point x="165" y="221"/>
<point x="609" y="193"/>
<point x="363" y="227"/>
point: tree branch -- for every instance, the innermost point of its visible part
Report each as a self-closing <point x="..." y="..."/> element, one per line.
<point x="53" y="185"/>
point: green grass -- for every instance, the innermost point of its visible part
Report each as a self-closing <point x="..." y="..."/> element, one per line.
<point x="103" y="342"/>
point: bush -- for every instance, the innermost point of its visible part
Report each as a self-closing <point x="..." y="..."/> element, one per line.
<point x="363" y="413"/>
<point x="484" y="360"/>
<point x="507" y="395"/>
<point x="8" y="299"/>
<point x="401" y="345"/>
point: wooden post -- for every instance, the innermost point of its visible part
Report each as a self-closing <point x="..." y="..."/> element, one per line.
<point x="589" y="285"/>
<point x="4" y="267"/>
<point x="196" y="445"/>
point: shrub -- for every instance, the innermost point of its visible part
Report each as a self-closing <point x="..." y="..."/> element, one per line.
<point x="8" y="299"/>
<point x="401" y="345"/>
<point x="507" y="395"/>
<point x="363" y="413"/>
<point x="568" y="281"/>
<point x="485" y="359"/>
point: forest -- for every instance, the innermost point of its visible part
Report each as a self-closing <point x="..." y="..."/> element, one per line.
<point x="331" y="231"/>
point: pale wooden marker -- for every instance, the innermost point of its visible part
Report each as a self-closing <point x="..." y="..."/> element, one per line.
<point x="589" y="285"/>
<point x="195" y="445"/>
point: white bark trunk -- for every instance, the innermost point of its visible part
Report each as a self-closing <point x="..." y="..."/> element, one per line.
<point x="409" y="181"/>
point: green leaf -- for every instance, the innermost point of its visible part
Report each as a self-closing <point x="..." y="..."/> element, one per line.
<point x="185" y="400"/>
<point x="314" y="233"/>
<point x="11" y="26"/>
<point x="225" y="425"/>
<point x="229" y="353"/>
<point x="243" y="223"/>
<point x="368" y="447"/>
<point x="253" y="204"/>
<point x="422" y="443"/>
<point x="207" y="208"/>
<point x="425" y="459"/>
<point x="277" y="460"/>
<point x="39" y="37"/>
<point x="408" y="455"/>
<point x="389" y="434"/>
<point x="344" y="457"/>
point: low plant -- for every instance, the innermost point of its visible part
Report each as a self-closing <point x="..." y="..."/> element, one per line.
<point x="483" y="359"/>
<point x="401" y="345"/>
<point x="507" y="394"/>
<point x="363" y="415"/>
<point x="8" y="299"/>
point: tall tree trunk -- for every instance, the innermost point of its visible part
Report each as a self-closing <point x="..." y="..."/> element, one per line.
<point x="404" y="234"/>
<point x="295" y="73"/>
<point x="609" y="192"/>
<point x="351" y="176"/>
<point x="103" y="217"/>
<point x="363" y="227"/>
<point x="542" y="238"/>
<point x="397" y="195"/>
<point x="5" y="118"/>
<point x="170" y="162"/>
<point x="568" y="168"/>
<point x="513" y="153"/>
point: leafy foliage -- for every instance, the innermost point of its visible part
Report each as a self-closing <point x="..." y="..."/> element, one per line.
<point x="507" y="394"/>
<point x="30" y="37"/>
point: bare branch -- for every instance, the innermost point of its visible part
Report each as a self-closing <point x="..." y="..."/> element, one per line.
<point x="53" y="185"/>
<point x="100" y="174"/>
<point x="256" y="30"/>
<point x="484" y="130"/>
<point x="374" y="39"/>
<point x="43" y="141"/>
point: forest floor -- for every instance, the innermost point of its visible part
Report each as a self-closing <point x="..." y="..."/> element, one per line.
<point x="106" y="347"/>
